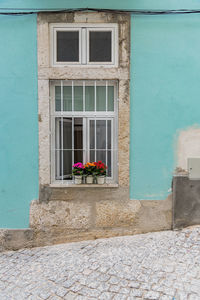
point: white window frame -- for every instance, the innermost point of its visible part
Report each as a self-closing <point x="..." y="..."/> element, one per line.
<point x="112" y="119"/>
<point x="87" y="116"/>
<point x="84" y="29"/>
<point x="54" y="53"/>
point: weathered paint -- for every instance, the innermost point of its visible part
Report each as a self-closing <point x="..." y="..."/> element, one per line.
<point x="188" y="145"/>
<point x="165" y="93"/>
<point x="18" y="115"/>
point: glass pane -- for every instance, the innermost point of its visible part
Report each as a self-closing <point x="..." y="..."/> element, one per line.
<point x="109" y="142"/>
<point x="67" y="98"/>
<point x="100" y="134"/>
<point x="100" y="46"/>
<point x="101" y="155"/>
<point x="92" y="155"/>
<point x="58" y="98"/>
<point x="89" y="98"/>
<point x="110" y="98"/>
<point x="92" y="136"/>
<point x="78" y="156"/>
<point x="109" y="163"/>
<point x="101" y="98"/>
<point x="78" y="98"/>
<point x="67" y="133"/>
<point x="78" y="133"/>
<point x="67" y="164"/>
<point x="63" y="164"/>
<point x="68" y="46"/>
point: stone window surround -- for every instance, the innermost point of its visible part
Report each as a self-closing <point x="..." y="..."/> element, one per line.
<point x="46" y="73"/>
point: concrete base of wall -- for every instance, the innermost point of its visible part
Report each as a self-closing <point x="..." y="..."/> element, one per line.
<point x="14" y="239"/>
<point x="74" y="214"/>
<point x="186" y="202"/>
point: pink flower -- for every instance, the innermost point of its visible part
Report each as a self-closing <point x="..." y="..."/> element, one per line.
<point x="78" y="165"/>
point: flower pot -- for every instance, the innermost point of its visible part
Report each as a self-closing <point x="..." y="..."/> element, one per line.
<point x="78" y="179"/>
<point x="100" y="179"/>
<point x="89" y="179"/>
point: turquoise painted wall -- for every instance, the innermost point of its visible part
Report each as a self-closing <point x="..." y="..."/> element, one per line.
<point x="165" y="93"/>
<point x="18" y="119"/>
<point x="118" y="4"/>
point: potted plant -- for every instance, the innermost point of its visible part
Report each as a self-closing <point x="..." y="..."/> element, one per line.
<point x="90" y="169"/>
<point x="78" y="171"/>
<point x="100" y="172"/>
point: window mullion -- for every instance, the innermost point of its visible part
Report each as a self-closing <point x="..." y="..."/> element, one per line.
<point x="95" y="97"/>
<point x="113" y="149"/>
<point x="84" y="96"/>
<point x="83" y="46"/>
<point x="95" y="139"/>
<point x="106" y="123"/>
<point x="72" y="96"/>
<point x="95" y="124"/>
<point x="62" y="131"/>
<point x="106" y="143"/>
<point x="106" y="95"/>
<point x="72" y="141"/>
<point x="84" y="140"/>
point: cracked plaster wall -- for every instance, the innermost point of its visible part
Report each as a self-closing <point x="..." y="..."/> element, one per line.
<point x="188" y="145"/>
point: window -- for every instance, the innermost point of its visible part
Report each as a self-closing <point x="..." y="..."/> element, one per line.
<point x="84" y="44"/>
<point x="83" y="126"/>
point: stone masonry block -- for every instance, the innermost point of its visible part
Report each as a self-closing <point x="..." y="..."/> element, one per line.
<point x="65" y="214"/>
<point x="112" y="213"/>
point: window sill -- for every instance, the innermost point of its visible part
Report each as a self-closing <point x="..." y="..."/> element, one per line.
<point x="106" y="185"/>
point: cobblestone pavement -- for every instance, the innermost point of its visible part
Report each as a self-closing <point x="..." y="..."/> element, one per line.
<point x="162" y="265"/>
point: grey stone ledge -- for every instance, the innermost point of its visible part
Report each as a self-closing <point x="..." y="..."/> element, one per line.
<point x="106" y="185"/>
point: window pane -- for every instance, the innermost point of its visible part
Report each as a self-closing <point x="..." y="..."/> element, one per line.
<point x="67" y="164"/>
<point x="78" y="133"/>
<point x="58" y="98"/>
<point x="101" y="98"/>
<point x="63" y="164"/>
<point x="109" y="163"/>
<point x="109" y="134"/>
<point x="101" y="155"/>
<point x="67" y="98"/>
<point x="92" y="134"/>
<point x="78" y="156"/>
<point x="78" y="98"/>
<point x="92" y="155"/>
<point x="101" y="134"/>
<point x="67" y="133"/>
<point x="89" y="98"/>
<point x="100" y="46"/>
<point x="68" y="46"/>
<point x="110" y="98"/>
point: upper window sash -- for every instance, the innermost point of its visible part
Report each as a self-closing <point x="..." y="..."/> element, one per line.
<point x="100" y="29"/>
<point x="84" y="30"/>
<point x="55" y="31"/>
